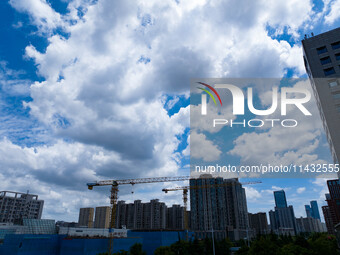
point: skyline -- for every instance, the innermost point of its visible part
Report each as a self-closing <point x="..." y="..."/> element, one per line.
<point x="70" y="71"/>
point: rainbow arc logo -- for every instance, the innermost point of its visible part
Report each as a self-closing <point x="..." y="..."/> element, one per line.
<point x="209" y="93"/>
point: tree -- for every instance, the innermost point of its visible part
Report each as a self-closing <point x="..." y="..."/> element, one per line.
<point x="263" y="246"/>
<point x="137" y="249"/>
<point x="293" y="249"/>
<point x="223" y="246"/>
<point x="164" y="250"/>
<point x="323" y="244"/>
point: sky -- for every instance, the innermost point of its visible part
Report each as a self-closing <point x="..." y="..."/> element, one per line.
<point x="96" y="90"/>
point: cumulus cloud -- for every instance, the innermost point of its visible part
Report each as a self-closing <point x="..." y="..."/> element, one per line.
<point x="203" y="148"/>
<point x="102" y="97"/>
<point x="301" y="190"/>
<point x="41" y="13"/>
<point x="333" y="14"/>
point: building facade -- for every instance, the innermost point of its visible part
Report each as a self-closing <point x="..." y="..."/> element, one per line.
<point x="310" y="225"/>
<point x="258" y="223"/>
<point x="282" y="219"/>
<point x="86" y="217"/>
<point x="219" y="205"/>
<point x="280" y="199"/>
<point x="16" y="206"/>
<point x="308" y="211"/>
<point x="312" y="210"/>
<point x="102" y="217"/>
<point x="322" y="62"/>
<point x="147" y="216"/>
<point x="328" y="219"/>
<point x="315" y="210"/>
<point x="175" y="217"/>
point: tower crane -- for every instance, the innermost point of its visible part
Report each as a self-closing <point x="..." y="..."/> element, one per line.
<point x="185" y="195"/>
<point x="114" y="195"/>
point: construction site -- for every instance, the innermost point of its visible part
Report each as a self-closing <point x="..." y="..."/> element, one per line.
<point x="218" y="209"/>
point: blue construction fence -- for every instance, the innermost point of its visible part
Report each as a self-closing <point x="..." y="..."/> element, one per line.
<point x="27" y="244"/>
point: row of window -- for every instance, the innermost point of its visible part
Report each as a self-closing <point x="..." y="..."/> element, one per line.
<point x="327" y="60"/>
<point x="329" y="71"/>
<point x="323" y="49"/>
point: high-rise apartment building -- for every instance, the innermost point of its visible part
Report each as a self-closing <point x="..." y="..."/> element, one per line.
<point x="333" y="202"/>
<point x="322" y="62"/>
<point x="86" y="217"/>
<point x="175" y="217"/>
<point x="258" y="223"/>
<point x="219" y="205"/>
<point x="328" y="219"/>
<point x="150" y="216"/>
<point x="282" y="219"/>
<point x="102" y="217"/>
<point x="310" y="225"/>
<point x="16" y="206"/>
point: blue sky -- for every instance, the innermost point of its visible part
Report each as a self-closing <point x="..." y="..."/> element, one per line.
<point x="99" y="90"/>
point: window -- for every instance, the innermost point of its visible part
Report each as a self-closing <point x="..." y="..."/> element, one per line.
<point x="333" y="83"/>
<point x="325" y="60"/>
<point x="336" y="96"/>
<point x="321" y="50"/>
<point x="338" y="108"/>
<point x="329" y="71"/>
<point x="337" y="56"/>
<point x="336" y="45"/>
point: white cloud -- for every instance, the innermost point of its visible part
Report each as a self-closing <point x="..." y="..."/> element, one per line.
<point x="41" y="13"/>
<point x="301" y="190"/>
<point x="333" y="15"/>
<point x="108" y="105"/>
<point x="252" y="194"/>
<point x="201" y="148"/>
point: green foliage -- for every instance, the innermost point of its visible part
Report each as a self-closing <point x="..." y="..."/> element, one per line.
<point x="135" y="249"/>
<point x="263" y="246"/>
<point x="323" y="244"/>
<point x="315" y="244"/>
<point x="164" y="250"/>
<point x="196" y="247"/>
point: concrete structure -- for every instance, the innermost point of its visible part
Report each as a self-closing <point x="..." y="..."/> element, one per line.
<point x="147" y="216"/>
<point x="310" y="225"/>
<point x="102" y="217"/>
<point x="220" y="205"/>
<point x="86" y="217"/>
<point x="16" y="206"/>
<point x="258" y="223"/>
<point x="322" y="62"/>
<point x="328" y="219"/>
<point x="282" y="219"/>
<point x="333" y="202"/>
<point x="175" y="217"/>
